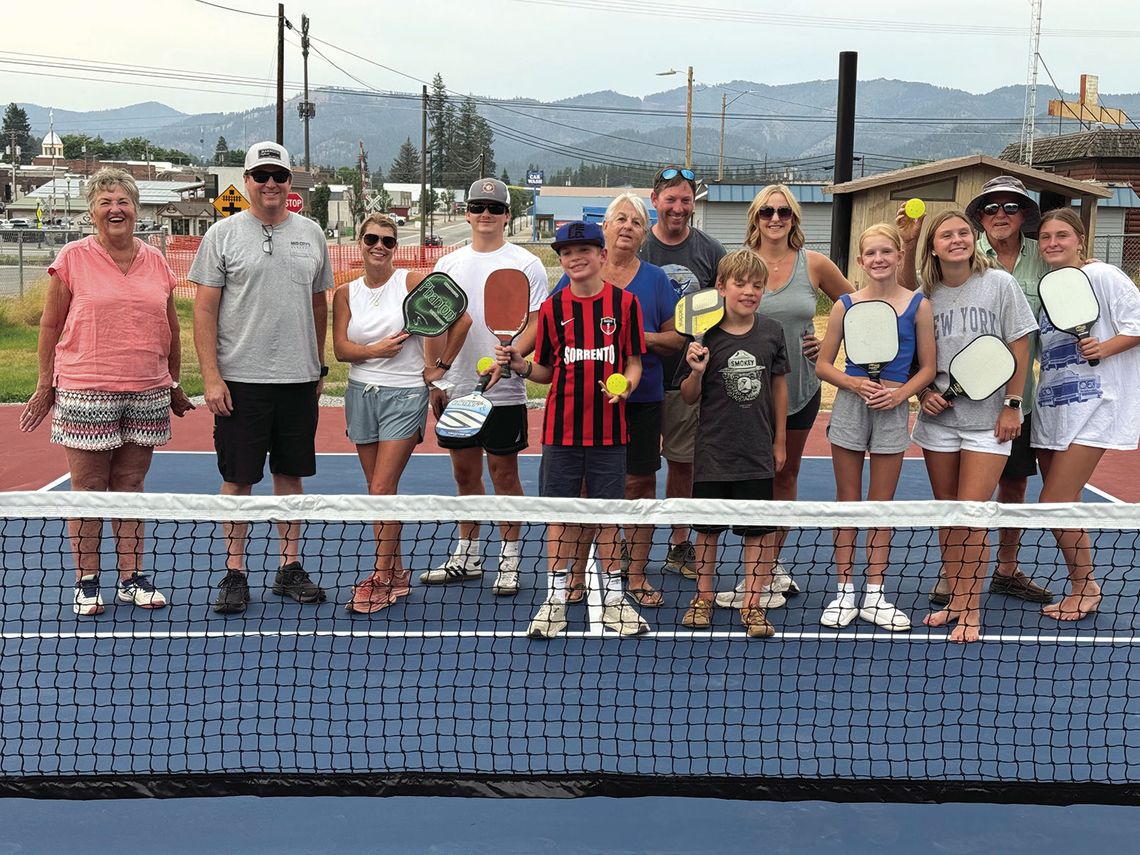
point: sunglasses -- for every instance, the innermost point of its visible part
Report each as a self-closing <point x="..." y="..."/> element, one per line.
<point x="261" y="176"/>
<point x="1009" y="207"/>
<point x="496" y="208"/>
<point x="267" y="244"/>
<point x="781" y="213"/>
<point x="373" y="239"/>
<point x="671" y="172"/>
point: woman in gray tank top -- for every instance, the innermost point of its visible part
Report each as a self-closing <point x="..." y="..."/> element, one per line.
<point x="795" y="278"/>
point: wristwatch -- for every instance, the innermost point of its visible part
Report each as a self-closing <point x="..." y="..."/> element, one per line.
<point x="1013" y="402"/>
<point x="439" y="363"/>
<point x="324" y="371"/>
<point x="175" y="385"/>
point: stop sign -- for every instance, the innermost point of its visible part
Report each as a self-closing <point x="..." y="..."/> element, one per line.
<point x="294" y="204"/>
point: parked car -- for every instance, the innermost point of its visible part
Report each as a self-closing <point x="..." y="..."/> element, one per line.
<point x="19" y="224"/>
<point x="433" y="240"/>
<point x="397" y="219"/>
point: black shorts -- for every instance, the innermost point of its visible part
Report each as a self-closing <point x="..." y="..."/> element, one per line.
<point x="505" y="432"/>
<point x="643" y="452"/>
<point x="753" y="489"/>
<point x="278" y="419"/>
<point x="804" y="417"/>
<point x="1022" y="462"/>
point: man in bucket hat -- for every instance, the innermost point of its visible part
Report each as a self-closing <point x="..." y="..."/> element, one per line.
<point x="1003" y="212"/>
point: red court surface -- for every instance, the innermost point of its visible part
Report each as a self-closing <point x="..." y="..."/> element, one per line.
<point x="30" y="461"/>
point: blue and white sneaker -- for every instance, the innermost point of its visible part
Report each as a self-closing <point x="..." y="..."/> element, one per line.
<point x="139" y="591"/>
<point x="88" y="601"/>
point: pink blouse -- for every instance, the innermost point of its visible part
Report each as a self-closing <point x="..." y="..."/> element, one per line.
<point x="116" y="337"/>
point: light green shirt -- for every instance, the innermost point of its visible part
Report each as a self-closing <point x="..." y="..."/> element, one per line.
<point x="1027" y="270"/>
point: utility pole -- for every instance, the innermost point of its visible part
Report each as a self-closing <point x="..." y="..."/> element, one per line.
<point x="723" y="107"/>
<point x="307" y="109"/>
<point x="281" y="74"/>
<point x="689" y="123"/>
<point x="483" y="163"/>
<point x="423" y="168"/>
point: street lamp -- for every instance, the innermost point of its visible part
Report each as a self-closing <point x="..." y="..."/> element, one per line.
<point x="688" y="115"/>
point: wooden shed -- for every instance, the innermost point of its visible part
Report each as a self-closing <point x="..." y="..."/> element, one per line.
<point x="953" y="183"/>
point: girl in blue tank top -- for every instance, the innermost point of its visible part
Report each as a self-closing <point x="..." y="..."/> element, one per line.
<point x="871" y="417"/>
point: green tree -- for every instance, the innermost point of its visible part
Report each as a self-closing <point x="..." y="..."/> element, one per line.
<point x="384" y="197"/>
<point x="221" y="152"/>
<point x="441" y="132"/>
<point x="356" y="202"/>
<point x="319" y="204"/>
<point x="406" y="166"/>
<point x="16" y="123"/>
<point x="506" y="179"/>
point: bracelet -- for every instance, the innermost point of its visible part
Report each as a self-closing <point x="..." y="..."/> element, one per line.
<point x="526" y="374"/>
<point x="922" y="395"/>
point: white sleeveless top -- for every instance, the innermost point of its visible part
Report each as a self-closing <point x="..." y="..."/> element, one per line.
<point x="375" y="314"/>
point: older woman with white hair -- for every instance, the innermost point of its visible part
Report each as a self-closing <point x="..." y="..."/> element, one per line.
<point x="625" y="226"/>
<point x="109" y="359"/>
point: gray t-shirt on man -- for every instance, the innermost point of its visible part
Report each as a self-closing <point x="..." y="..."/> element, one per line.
<point x="690" y="265"/>
<point x="265" y="317"/>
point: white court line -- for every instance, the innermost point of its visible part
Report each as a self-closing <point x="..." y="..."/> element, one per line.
<point x="55" y="483"/>
<point x="671" y="635"/>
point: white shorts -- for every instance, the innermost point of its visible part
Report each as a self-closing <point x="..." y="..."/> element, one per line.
<point x="930" y="435"/>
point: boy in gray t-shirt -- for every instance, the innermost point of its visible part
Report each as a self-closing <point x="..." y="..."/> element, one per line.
<point x="738" y="376"/>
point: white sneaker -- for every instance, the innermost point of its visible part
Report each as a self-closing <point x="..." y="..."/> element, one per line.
<point x="549" y="621"/>
<point x="507" y="579"/>
<point x="139" y="591"/>
<point x="623" y="619"/>
<point x="88" y="601"/>
<point x="837" y="615"/>
<point x="886" y="616"/>
<point x="457" y="568"/>
<point x="782" y="581"/>
<point x="772" y="596"/>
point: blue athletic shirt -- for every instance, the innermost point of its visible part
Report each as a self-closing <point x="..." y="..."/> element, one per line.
<point x="655" y="293"/>
<point x="898" y="369"/>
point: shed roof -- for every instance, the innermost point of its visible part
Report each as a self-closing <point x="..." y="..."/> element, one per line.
<point x="1034" y="178"/>
<point x="1101" y="143"/>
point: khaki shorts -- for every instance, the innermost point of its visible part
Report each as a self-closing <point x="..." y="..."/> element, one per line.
<point x="679" y="427"/>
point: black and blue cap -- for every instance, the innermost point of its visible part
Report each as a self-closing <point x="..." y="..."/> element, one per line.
<point x="569" y="234"/>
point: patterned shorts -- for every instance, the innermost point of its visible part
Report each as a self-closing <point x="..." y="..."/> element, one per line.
<point x="103" y="421"/>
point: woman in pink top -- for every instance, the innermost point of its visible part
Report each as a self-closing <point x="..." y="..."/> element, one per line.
<point x="109" y="359"/>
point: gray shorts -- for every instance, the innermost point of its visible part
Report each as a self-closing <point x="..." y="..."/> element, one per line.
<point x="384" y="413"/>
<point x="857" y="427"/>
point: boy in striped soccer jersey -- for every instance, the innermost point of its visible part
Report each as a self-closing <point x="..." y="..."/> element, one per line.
<point x="586" y="333"/>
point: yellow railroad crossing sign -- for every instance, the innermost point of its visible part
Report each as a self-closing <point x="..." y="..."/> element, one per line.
<point x="230" y="202"/>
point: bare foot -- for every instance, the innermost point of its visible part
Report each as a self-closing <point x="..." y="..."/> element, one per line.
<point x="1076" y="606"/>
<point x="940" y="618"/>
<point x="964" y="633"/>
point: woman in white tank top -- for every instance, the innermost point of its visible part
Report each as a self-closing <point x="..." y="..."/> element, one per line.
<point x="387" y="397"/>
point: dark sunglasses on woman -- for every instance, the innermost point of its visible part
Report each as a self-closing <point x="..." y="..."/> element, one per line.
<point x="372" y="239"/>
<point x="782" y="213"/>
<point x="496" y="208"/>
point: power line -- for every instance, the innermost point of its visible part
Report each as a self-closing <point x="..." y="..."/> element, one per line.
<point x="239" y="11"/>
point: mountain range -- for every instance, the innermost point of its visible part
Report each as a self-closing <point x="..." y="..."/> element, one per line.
<point x="788" y="128"/>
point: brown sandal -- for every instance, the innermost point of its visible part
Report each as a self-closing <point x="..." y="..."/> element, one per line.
<point x="649" y="598"/>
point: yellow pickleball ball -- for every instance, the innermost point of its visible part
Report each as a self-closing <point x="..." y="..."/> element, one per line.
<point x="616" y="384"/>
<point x="484" y="365"/>
<point x="914" y="208"/>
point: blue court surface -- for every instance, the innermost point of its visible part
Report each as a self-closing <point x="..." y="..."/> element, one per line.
<point x="445" y="682"/>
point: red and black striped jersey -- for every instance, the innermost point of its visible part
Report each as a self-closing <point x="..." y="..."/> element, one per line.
<point x="585" y="340"/>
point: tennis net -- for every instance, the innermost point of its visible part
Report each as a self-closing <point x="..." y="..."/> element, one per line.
<point x="444" y="692"/>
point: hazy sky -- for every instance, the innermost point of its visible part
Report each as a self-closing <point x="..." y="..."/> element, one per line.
<point x="541" y="48"/>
